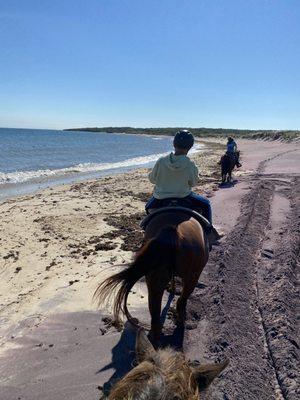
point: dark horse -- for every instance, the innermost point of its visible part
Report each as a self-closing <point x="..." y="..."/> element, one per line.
<point x="174" y="244"/>
<point x="227" y="162"/>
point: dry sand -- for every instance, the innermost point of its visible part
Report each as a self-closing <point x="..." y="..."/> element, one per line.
<point x="57" y="244"/>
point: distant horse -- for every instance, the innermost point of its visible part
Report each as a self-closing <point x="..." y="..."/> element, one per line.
<point x="163" y="374"/>
<point x="227" y="165"/>
<point x="174" y="244"/>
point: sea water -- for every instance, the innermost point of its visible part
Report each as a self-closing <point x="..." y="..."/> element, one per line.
<point x="32" y="159"/>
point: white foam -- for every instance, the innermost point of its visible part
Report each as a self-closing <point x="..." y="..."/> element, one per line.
<point x="23" y="176"/>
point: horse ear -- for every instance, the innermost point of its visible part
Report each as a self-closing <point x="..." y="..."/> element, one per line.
<point x="205" y="374"/>
<point x="143" y="347"/>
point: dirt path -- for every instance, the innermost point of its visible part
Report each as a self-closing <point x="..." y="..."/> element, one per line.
<point x="248" y="310"/>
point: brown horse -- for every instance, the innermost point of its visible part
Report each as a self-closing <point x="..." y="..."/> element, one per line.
<point x="174" y="244"/>
<point x="163" y="374"/>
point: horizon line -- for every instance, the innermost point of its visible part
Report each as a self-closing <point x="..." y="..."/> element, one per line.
<point x="152" y="127"/>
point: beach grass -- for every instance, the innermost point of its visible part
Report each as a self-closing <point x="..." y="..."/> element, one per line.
<point x="286" y="135"/>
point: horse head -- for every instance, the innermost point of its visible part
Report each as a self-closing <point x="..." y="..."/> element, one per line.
<point x="163" y="374"/>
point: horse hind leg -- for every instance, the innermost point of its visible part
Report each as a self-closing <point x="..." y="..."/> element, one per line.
<point x="229" y="177"/>
<point x="155" y="294"/>
<point x="188" y="288"/>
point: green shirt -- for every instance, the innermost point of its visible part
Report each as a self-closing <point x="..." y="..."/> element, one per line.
<point x="173" y="176"/>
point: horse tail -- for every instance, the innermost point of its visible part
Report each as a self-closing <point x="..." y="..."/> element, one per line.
<point x="158" y="252"/>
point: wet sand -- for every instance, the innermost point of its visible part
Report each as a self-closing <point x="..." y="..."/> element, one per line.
<point x="57" y="244"/>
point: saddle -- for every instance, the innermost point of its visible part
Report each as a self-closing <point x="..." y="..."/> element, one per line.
<point x="202" y="220"/>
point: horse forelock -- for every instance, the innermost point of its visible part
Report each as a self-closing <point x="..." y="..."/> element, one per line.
<point x="180" y="384"/>
<point x="144" y="382"/>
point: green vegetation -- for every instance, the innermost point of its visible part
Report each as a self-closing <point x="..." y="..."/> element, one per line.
<point x="202" y="132"/>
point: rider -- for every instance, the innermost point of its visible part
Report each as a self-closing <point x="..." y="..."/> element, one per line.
<point x="232" y="150"/>
<point x="175" y="174"/>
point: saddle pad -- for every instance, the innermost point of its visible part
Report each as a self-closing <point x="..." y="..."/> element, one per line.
<point x="202" y="220"/>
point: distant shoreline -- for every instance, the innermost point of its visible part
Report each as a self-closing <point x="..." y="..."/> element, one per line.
<point x="287" y="135"/>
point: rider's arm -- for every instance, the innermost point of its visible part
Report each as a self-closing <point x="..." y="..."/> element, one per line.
<point x="153" y="174"/>
<point x="194" y="176"/>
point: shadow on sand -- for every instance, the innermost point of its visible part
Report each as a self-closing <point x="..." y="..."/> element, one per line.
<point x="123" y="354"/>
<point x="227" y="185"/>
<point x="122" y="357"/>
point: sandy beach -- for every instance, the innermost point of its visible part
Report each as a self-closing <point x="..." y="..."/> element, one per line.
<point x="57" y="244"/>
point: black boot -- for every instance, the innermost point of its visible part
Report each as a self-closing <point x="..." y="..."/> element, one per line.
<point x="213" y="236"/>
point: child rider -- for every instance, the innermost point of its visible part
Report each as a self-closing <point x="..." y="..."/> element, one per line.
<point x="174" y="176"/>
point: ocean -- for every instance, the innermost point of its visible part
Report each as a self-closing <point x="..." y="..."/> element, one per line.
<point x="32" y="159"/>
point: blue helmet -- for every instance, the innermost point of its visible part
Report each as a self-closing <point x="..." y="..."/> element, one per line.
<point x="183" y="139"/>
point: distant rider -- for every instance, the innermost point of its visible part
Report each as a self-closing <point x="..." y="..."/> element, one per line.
<point x="233" y="151"/>
<point x="174" y="176"/>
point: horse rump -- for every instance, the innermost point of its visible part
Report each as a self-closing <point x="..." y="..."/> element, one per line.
<point x="227" y="165"/>
<point x="158" y="252"/>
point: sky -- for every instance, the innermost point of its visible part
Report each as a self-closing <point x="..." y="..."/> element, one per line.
<point x="150" y="63"/>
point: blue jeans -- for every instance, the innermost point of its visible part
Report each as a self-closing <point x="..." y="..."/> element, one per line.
<point x="204" y="203"/>
<point x="193" y="200"/>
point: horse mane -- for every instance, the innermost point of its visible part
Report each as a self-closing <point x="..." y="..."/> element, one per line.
<point x="165" y="376"/>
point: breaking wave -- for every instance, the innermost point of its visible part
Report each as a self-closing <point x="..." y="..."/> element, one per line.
<point x="23" y="176"/>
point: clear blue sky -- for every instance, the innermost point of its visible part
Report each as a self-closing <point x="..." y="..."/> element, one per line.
<point x="212" y="63"/>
